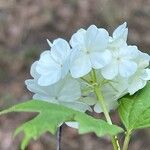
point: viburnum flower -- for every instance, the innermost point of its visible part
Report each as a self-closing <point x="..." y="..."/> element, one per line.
<point x="65" y="92"/>
<point x="89" y="51"/>
<point x="123" y="56"/>
<point x="117" y="69"/>
<point x="142" y="75"/>
<point x="53" y="64"/>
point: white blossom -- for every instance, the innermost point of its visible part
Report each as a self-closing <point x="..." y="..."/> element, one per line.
<point x="142" y="75"/>
<point x="89" y="51"/>
<point x="53" y="64"/>
<point x="123" y="56"/>
<point x="65" y="92"/>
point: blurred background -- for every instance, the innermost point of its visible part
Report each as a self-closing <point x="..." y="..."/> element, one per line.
<point x="24" y="27"/>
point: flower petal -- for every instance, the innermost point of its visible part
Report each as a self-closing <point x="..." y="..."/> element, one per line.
<point x="80" y="64"/>
<point x="78" y="39"/>
<point x="110" y="71"/>
<point x="143" y="60"/>
<point x="47" y="98"/>
<point x="50" y="78"/>
<point x="33" y="86"/>
<point x="146" y="75"/>
<point x="136" y="85"/>
<point x="127" y="68"/>
<point x="60" y="50"/>
<point x="71" y="91"/>
<point x="121" y="32"/>
<point x="99" y="60"/>
<point x="46" y="64"/>
<point x="96" y="39"/>
<point x="33" y="71"/>
<point x="129" y="52"/>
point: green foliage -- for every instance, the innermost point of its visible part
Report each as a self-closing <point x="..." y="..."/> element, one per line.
<point x="51" y="116"/>
<point x="134" y="110"/>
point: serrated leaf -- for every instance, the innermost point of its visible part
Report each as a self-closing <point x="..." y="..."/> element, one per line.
<point x="134" y="110"/>
<point x="51" y="116"/>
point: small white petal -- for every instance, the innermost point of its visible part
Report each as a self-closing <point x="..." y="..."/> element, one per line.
<point x="78" y="39"/>
<point x="47" y="98"/>
<point x="46" y="64"/>
<point x="127" y="68"/>
<point x="96" y="39"/>
<point x="71" y="91"/>
<point x="130" y="52"/>
<point x="45" y="57"/>
<point x="146" y="75"/>
<point x="91" y="34"/>
<point x="110" y="71"/>
<point x="100" y="59"/>
<point x="119" y="37"/>
<point x="136" y="85"/>
<point x="121" y="31"/>
<point x="33" y="86"/>
<point x="60" y="51"/>
<point x="80" y="65"/>
<point x="46" y="80"/>
<point x="143" y="60"/>
<point x="33" y="71"/>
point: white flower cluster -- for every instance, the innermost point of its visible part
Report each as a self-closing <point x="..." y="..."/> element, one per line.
<point x="120" y="68"/>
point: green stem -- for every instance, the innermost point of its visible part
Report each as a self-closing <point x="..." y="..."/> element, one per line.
<point x="100" y="98"/>
<point x="126" y="141"/>
<point x="85" y="80"/>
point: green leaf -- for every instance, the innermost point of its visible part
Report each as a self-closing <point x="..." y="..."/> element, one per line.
<point x="134" y="110"/>
<point x="52" y="115"/>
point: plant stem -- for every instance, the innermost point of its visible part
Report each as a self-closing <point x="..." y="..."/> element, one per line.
<point x="100" y="98"/>
<point x="58" y="147"/>
<point x="126" y="141"/>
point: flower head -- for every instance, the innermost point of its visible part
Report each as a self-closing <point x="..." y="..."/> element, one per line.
<point x="117" y="69"/>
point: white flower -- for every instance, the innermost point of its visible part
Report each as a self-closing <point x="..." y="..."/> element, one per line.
<point x="89" y="50"/>
<point x="53" y="64"/>
<point x="142" y="75"/>
<point x="123" y="56"/>
<point x="123" y="63"/>
<point x="66" y="92"/>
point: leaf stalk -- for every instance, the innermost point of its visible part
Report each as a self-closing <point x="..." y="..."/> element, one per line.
<point x="126" y="141"/>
